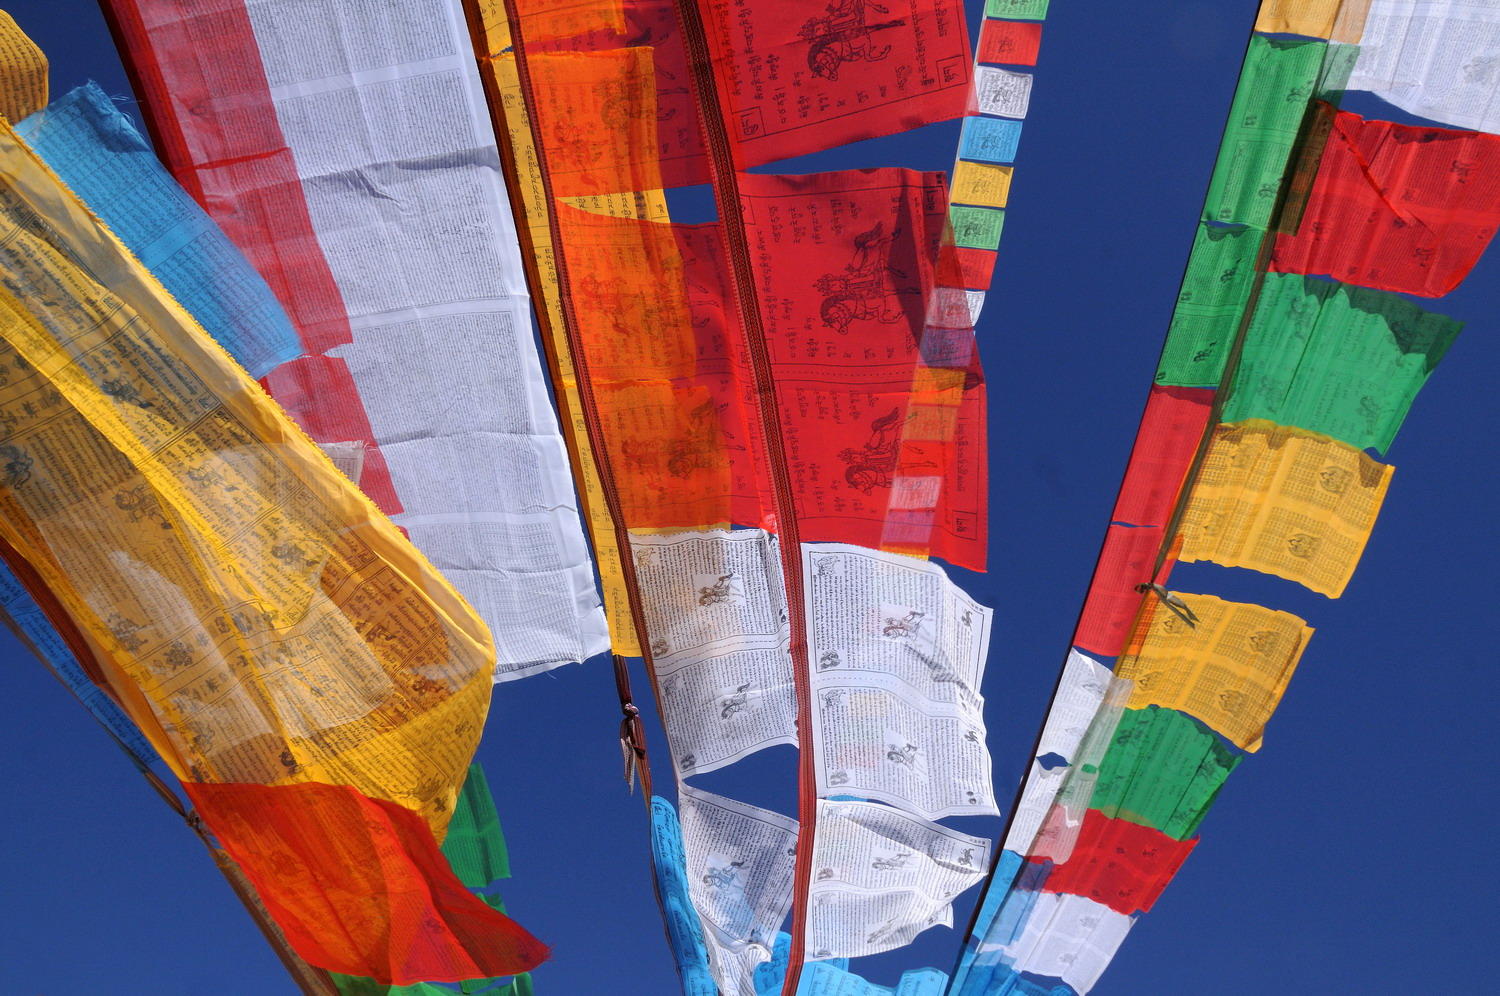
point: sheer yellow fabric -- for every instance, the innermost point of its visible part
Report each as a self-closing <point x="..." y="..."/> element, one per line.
<point x="23" y="72"/>
<point x="1286" y="502"/>
<point x="254" y="613"/>
<point x="1229" y="669"/>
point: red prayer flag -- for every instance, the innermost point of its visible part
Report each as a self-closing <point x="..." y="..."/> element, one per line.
<point x="1110" y="608"/>
<point x="875" y="431"/>
<point x="959" y="266"/>
<point x="1171" y="428"/>
<point x="1011" y="43"/>
<point x="358" y="885"/>
<point x="1406" y="208"/>
<point x="798" y="78"/>
<point x="1119" y="864"/>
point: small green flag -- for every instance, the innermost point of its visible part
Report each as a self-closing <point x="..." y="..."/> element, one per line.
<point x="475" y="845"/>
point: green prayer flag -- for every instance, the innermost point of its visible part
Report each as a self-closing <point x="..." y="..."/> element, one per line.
<point x="475" y="846"/>
<point x="1279" y="78"/>
<point x="976" y="227"/>
<point x="1163" y="769"/>
<point x="1342" y="361"/>
<point x="1220" y="275"/>
<point x="1019" y="10"/>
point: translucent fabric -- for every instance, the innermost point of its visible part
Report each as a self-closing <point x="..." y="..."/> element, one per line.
<point x="1283" y="501"/>
<point x="1229" y="668"/>
<point x="1343" y="361"/>
<point x="358" y="885"/>
<point x="1396" y="207"/>
<point x="255" y="616"/>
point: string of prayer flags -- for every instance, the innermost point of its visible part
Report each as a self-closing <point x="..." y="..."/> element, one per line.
<point x="1163" y="770"/>
<point x="1229" y="668"/>
<point x="1294" y="376"/>
<point x="1397" y="207"/>
<point x="878" y="403"/>
<point x="359" y="886"/>
<point x="1119" y="864"/>
<point x="1283" y="501"/>
<point x="373" y="203"/>
<point x="1343" y="361"/>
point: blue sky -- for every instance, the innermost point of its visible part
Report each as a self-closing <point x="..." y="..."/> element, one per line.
<point x="1349" y="855"/>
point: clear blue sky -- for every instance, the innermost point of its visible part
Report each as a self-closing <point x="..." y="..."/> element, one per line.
<point x="1353" y="854"/>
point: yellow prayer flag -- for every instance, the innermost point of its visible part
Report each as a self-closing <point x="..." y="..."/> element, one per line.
<point x="1339" y="20"/>
<point x="1284" y="501"/>
<point x="257" y="617"/>
<point x="1228" y="670"/>
<point x="981" y="184"/>
<point x="23" y="72"/>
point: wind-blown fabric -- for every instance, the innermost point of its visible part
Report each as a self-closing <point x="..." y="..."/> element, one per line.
<point x="358" y="885"/>
<point x="1397" y="207"/>
<point x="358" y="171"/>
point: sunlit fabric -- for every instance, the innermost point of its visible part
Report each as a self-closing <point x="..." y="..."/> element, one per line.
<point x="1215" y="292"/>
<point x="358" y="885"/>
<point x="1278" y="77"/>
<point x="23" y="72"/>
<point x="1119" y="864"/>
<point x="843" y="266"/>
<point x="95" y="149"/>
<point x="1127" y="561"/>
<point x="256" y="617"/>
<point x="498" y="66"/>
<point x="1343" y="361"/>
<point x="852" y="70"/>
<point x="1397" y="207"/>
<point x="1229" y="668"/>
<point x="1433" y="60"/>
<point x="1011" y="43"/>
<point x="1340" y="20"/>
<point x="1284" y="501"/>
<point x="1171" y="426"/>
<point x="1163" y="769"/>
<point x="369" y="133"/>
